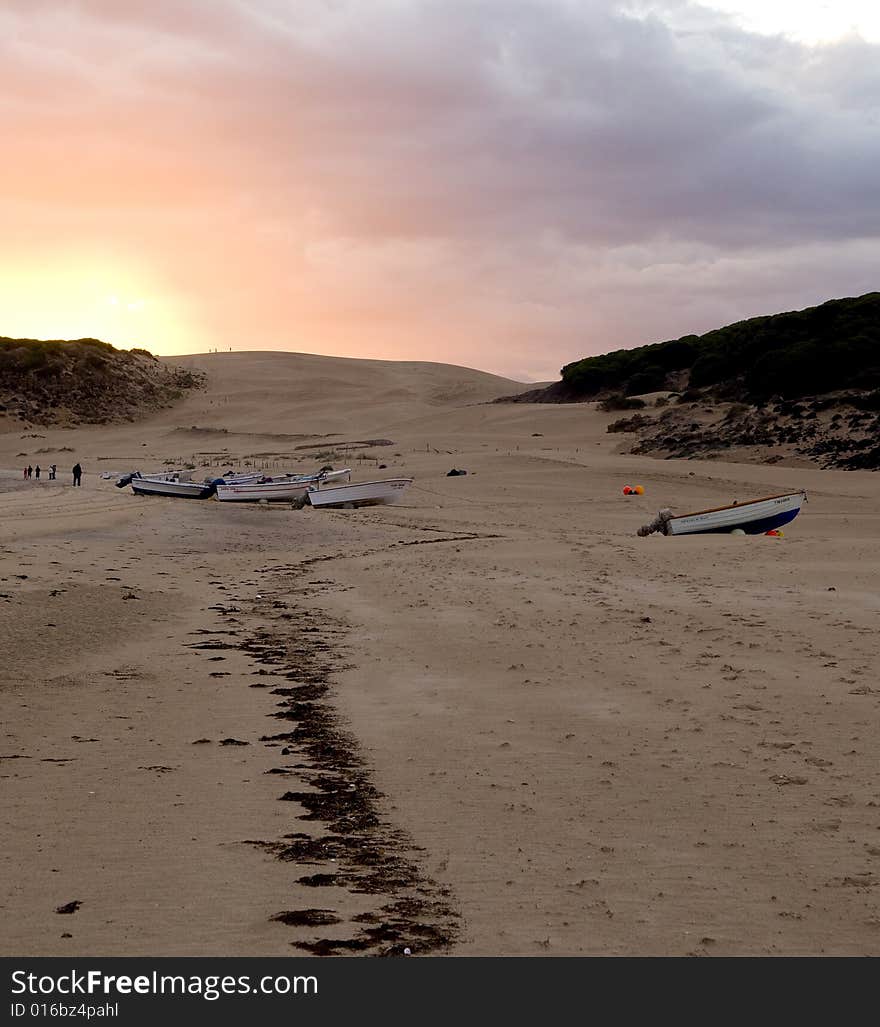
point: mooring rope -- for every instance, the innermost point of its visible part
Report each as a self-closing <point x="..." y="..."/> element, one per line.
<point x="658" y="524"/>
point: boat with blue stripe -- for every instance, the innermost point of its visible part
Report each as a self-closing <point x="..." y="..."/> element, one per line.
<point x="753" y="517"/>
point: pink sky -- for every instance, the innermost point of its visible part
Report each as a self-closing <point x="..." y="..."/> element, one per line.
<point x="503" y="184"/>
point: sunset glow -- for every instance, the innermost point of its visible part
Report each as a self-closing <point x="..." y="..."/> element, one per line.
<point x="508" y="184"/>
<point x="71" y="303"/>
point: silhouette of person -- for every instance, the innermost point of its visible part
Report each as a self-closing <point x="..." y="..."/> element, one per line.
<point x="52" y="471"/>
<point x="37" y="474"/>
<point x="30" y="471"/>
<point x="77" y="474"/>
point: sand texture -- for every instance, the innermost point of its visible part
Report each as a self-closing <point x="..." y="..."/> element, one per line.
<point x="487" y="720"/>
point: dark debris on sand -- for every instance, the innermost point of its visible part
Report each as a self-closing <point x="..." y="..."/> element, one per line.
<point x="355" y="846"/>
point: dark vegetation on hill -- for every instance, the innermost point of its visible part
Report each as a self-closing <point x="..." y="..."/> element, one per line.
<point x="85" y="381"/>
<point x="804" y="383"/>
<point x="801" y="353"/>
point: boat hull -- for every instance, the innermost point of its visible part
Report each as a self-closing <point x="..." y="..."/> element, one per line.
<point x="752" y="518"/>
<point x="367" y="493"/>
<point x="174" y="489"/>
<point x="271" y="491"/>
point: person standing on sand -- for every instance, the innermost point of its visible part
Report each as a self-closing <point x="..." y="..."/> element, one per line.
<point x="52" y="471"/>
<point x="37" y="475"/>
<point x="25" y="472"/>
<point x="30" y="472"/>
<point x="77" y="474"/>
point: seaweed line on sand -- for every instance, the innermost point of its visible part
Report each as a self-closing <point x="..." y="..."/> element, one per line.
<point x="355" y="846"/>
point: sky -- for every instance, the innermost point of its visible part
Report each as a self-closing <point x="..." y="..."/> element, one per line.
<point x="503" y="184"/>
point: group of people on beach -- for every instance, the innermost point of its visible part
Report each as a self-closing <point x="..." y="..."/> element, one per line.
<point x="34" y="472"/>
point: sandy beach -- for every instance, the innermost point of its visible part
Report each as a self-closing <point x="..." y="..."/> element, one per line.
<point x="487" y="720"/>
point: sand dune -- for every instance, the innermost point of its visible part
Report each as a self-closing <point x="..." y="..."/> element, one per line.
<point x="295" y="392"/>
<point x="574" y="740"/>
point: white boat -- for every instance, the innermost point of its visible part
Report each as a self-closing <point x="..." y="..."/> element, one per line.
<point x="171" y="486"/>
<point x="754" y="517"/>
<point x="241" y="479"/>
<point x="322" y="476"/>
<point x="253" y="492"/>
<point x="365" y="493"/>
<point x="289" y="486"/>
<point x="125" y="479"/>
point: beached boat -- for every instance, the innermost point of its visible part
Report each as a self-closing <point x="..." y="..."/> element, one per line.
<point x="254" y="491"/>
<point x="171" y="486"/>
<point x="290" y="486"/>
<point x="240" y="479"/>
<point x="125" y="479"/>
<point x="365" y="493"/>
<point x="322" y="476"/>
<point x="754" y="517"/>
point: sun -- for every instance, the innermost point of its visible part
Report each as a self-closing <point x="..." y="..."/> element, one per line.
<point x="71" y="300"/>
<point x="813" y="22"/>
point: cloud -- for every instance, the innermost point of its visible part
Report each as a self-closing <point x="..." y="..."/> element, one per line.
<point x="507" y="183"/>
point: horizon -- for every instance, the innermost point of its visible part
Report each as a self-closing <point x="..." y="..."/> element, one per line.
<point x="507" y="187"/>
<point x="407" y="359"/>
<point x="334" y="356"/>
<point x="232" y="351"/>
